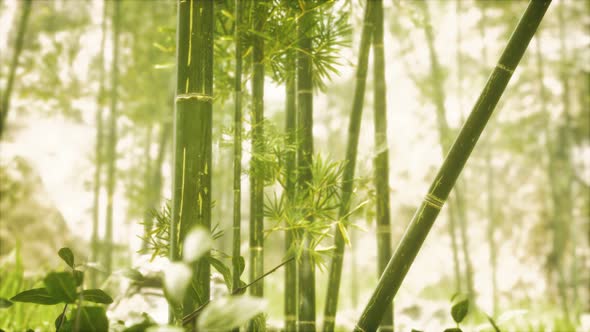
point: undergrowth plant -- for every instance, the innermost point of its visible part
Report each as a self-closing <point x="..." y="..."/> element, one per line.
<point x="82" y="308"/>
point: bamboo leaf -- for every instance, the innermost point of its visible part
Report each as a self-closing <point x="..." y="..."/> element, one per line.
<point x="344" y="233"/>
<point x="96" y="296"/>
<point x="67" y="255"/>
<point x="223" y="269"/>
<point x="36" y="295"/>
<point x="61" y="286"/>
<point x="5" y="303"/>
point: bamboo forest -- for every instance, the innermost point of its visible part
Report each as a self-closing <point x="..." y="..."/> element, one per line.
<point x="295" y="165"/>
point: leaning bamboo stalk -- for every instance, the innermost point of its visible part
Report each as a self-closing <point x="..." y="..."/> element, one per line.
<point x="454" y="162"/>
<point x="381" y="160"/>
<point x="458" y="198"/>
<point x="349" y="169"/>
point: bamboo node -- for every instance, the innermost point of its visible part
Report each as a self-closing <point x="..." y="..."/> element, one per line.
<point x="329" y="319"/>
<point x="302" y="91"/>
<point x="504" y="68"/>
<point x="434" y="201"/>
<point x="194" y="95"/>
<point x="257" y="248"/>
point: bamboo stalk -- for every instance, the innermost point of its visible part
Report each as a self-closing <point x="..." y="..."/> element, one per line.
<point x="424" y="218"/>
<point x="191" y="191"/>
<point x="381" y="161"/>
<point x="291" y="267"/>
<point x="237" y="185"/>
<point x="98" y="153"/>
<point x="306" y="269"/>
<point x="112" y="142"/>
<point x="445" y="142"/>
<point x="335" y="275"/>
<point x="18" y="47"/>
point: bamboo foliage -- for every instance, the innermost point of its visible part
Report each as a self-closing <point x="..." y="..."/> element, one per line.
<point x="381" y="161"/>
<point x="98" y="152"/>
<point x="20" y="37"/>
<point x="112" y="142"/>
<point x="191" y="188"/>
<point x="450" y="170"/>
<point x="349" y="169"/>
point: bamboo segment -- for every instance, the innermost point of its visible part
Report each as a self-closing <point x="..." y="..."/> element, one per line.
<point x="423" y="219"/>
<point x="191" y="189"/>
<point x="349" y="169"/>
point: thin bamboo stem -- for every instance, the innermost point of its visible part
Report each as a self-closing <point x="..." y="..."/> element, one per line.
<point x="335" y="275"/>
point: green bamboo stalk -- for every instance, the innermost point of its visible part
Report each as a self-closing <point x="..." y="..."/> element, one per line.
<point x="290" y="128"/>
<point x="451" y="168"/>
<point x="445" y="141"/>
<point x="18" y="47"/>
<point x="191" y="190"/>
<point x="112" y="142"/>
<point x="256" y="181"/>
<point x="306" y="269"/>
<point x="381" y="161"/>
<point x="237" y="185"/>
<point x="335" y="275"/>
<point x="98" y="153"/>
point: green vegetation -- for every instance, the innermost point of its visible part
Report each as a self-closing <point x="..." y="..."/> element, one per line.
<point x="134" y="133"/>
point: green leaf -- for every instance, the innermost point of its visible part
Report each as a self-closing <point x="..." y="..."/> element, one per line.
<point x="223" y="269"/>
<point x="229" y="312"/>
<point x="453" y="329"/>
<point x="241" y="264"/>
<point x="61" y="286"/>
<point x="96" y="296"/>
<point x="459" y="309"/>
<point x="36" y="295"/>
<point x="67" y="255"/>
<point x="344" y="233"/>
<point x="59" y="324"/>
<point x="79" y="277"/>
<point x="5" y="303"/>
<point x="93" y="319"/>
